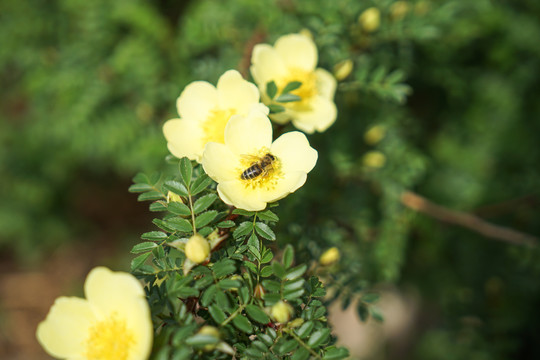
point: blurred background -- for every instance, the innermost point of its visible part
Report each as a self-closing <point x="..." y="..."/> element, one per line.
<point x="441" y="105"/>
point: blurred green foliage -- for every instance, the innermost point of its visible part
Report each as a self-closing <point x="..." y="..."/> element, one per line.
<point x="87" y="85"/>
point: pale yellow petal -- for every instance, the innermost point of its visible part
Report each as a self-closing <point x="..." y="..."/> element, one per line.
<point x="220" y="163"/>
<point x="245" y="135"/>
<point x="266" y="65"/>
<point x="322" y="114"/>
<point x="184" y="138"/>
<point x="197" y="100"/>
<point x="326" y="83"/>
<point x="297" y="51"/>
<point x="236" y="93"/>
<point x="294" y="152"/>
<point x="235" y="193"/>
<point x="64" y="332"/>
<point x="290" y="182"/>
<point x="121" y="293"/>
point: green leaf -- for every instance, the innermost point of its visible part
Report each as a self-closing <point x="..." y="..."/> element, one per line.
<point x="201" y="340"/>
<point x="285" y="98"/>
<point x="158" y="206"/>
<point x="251" y="266"/>
<point x="142" y="247"/>
<point x="279" y="271"/>
<point x="203" y="203"/>
<point x="226" y="224"/>
<point x="139" y="260"/>
<point x="257" y="314"/>
<point x="242" y="323"/>
<point x="296" y="272"/>
<point x="186" y="170"/>
<point x="294" y="284"/>
<point x="136" y="188"/>
<point x="333" y="353"/>
<point x="304" y="330"/>
<point x="267" y="256"/>
<point x="208" y="295"/>
<point x="363" y="311"/>
<point x="318" y="337"/>
<point x="201" y="183"/>
<point x="141" y="178"/>
<point x="176" y="187"/>
<point x="288" y="256"/>
<point x="223" y="268"/>
<point x="185" y="292"/>
<point x="293" y="85"/>
<point x="376" y="314"/>
<point x="243" y="212"/>
<point x="271" y="285"/>
<point x="300" y="354"/>
<point x="243" y="229"/>
<point x="370" y="298"/>
<point x="271" y="89"/>
<point x="287" y="346"/>
<point x="227" y="284"/>
<point x="217" y="314"/>
<point x="267" y="271"/>
<point x="150" y="195"/>
<point x="276" y="109"/>
<point x="205" y="218"/>
<point x="378" y="74"/>
<point x="179" y="224"/>
<point x="265" y="231"/>
<point x="154" y="235"/>
<point x="266" y="339"/>
<point x="178" y="208"/>
<point x="267" y="215"/>
<point x="244" y="294"/>
<point x="293" y="294"/>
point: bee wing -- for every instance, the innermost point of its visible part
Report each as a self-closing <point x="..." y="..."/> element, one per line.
<point x="252" y="158"/>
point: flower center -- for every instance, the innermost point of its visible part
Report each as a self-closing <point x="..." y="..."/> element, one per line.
<point x="261" y="170"/>
<point x="214" y="126"/>
<point x="109" y="340"/>
<point x="306" y="91"/>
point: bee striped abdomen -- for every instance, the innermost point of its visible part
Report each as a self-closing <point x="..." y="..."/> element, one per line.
<point x="252" y="172"/>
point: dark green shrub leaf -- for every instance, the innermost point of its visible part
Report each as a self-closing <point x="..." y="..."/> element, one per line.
<point x="186" y="170"/>
<point x="242" y="323"/>
<point x="257" y="314"/>
<point x="203" y="203"/>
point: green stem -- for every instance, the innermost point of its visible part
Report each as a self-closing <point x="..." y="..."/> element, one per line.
<point x="233" y="315"/>
<point x="301" y="342"/>
<point x="192" y="213"/>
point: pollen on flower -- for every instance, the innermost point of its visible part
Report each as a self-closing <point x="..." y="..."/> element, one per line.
<point x="270" y="170"/>
<point x="214" y="126"/>
<point x="109" y="339"/>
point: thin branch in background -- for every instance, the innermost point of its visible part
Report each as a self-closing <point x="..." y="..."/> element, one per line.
<point x="472" y="222"/>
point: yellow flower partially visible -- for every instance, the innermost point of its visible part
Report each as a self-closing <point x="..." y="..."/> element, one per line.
<point x="374" y="159"/>
<point x="250" y="169"/>
<point x="330" y="256"/>
<point x="112" y="323"/>
<point x="343" y="69"/>
<point x="281" y="312"/>
<point x="375" y="134"/>
<point x="205" y="110"/>
<point x="294" y="58"/>
<point x="370" y="19"/>
<point x="197" y="249"/>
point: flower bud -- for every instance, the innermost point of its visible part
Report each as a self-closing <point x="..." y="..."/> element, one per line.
<point x="172" y="197"/>
<point x="197" y="249"/>
<point x="375" y="134"/>
<point x="374" y="159"/>
<point x="258" y="292"/>
<point x="343" y="69"/>
<point x="330" y="256"/>
<point x="210" y="331"/>
<point x="399" y="9"/>
<point x="281" y="312"/>
<point x="370" y="19"/>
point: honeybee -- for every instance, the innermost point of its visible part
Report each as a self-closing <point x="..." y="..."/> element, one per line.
<point x="262" y="166"/>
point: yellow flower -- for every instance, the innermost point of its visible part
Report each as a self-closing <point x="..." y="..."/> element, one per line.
<point x="294" y="58"/>
<point x="205" y="110"/>
<point x="330" y="256"/>
<point x="281" y="312"/>
<point x="375" y="134"/>
<point x="250" y="169"/>
<point x="343" y="69"/>
<point x="197" y="249"/>
<point x="370" y="19"/>
<point x="374" y="159"/>
<point x="112" y="323"/>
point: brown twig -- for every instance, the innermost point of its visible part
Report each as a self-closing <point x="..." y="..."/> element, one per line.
<point x="257" y="37"/>
<point x="423" y="205"/>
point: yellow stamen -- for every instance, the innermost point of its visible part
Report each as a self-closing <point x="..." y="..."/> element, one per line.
<point x="109" y="339"/>
<point x="270" y="177"/>
<point x="214" y="126"/>
<point x="305" y="92"/>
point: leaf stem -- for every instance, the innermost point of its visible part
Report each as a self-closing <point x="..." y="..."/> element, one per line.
<point x="301" y="342"/>
<point x="233" y="315"/>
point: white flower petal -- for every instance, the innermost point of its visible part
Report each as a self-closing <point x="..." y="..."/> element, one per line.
<point x="236" y="93"/>
<point x="297" y="51"/>
<point x="63" y="333"/>
<point x="197" y="100"/>
<point x="294" y="152"/>
<point x="235" y="193"/>
<point x="326" y="83"/>
<point x="184" y="138"/>
<point x="267" y="65"/>
<point x="246" y="135"/>
<point x="322" y="114"/>
<point x="220" y="163"/>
